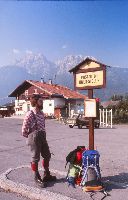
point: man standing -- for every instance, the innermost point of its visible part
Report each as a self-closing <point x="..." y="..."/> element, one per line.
<point x="34" y="130"/>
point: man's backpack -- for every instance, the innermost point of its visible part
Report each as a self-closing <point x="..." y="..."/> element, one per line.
<point x="90" y="157"/>
<point x="91" y="169"/>
<point x="91" y="177"/>
<point x="87" y="172"/>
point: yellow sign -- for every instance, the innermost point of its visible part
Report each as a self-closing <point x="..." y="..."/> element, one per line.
<point x="89" y="79"/>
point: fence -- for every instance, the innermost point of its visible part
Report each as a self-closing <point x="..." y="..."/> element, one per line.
<point x="105" y="118"/>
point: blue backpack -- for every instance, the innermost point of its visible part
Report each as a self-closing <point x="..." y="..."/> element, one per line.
<point x="91" y="177"/>
<point x="90" y="162"/>
<point x="90" y="157"/>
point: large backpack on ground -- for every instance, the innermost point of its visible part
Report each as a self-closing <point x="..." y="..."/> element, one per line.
<point x="91" y="170"/>
<point x="91" y="176"/>
<point x="85" y="171"/>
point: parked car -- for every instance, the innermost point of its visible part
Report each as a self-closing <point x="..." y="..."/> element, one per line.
<point x="81" y="121"/>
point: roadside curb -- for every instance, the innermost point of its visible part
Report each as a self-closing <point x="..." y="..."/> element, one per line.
<point x="27" y="191"/>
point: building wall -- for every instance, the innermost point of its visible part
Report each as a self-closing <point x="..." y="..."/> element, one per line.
<point x="21" y="107"/>
<point x="59" y="102"/>
<point x="32" y="90"/>
<point x="48" y="106"/>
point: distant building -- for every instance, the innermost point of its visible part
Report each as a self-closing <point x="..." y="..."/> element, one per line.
<point x="58" y="100"/>
<point x="7" y="109"/>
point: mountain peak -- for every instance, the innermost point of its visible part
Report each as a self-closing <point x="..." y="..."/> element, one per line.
<point x="36" y="64"/>
<point x="30" y="58"/>
<point x="68" y="62"/>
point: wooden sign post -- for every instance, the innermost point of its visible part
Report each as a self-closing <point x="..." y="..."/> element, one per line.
<point x="91" y="124"/>
<point x="88" y="75"/>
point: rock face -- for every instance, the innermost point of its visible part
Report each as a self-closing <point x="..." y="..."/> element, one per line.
<point x="37" y="66"/>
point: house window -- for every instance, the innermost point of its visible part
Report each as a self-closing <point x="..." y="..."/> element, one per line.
<point x="20" y="108"/>
<point x="26" y="92"/>
<point x="50" y="104"/>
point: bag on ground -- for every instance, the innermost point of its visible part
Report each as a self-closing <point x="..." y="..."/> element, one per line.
<point x="91" y="176"/>
<point x="74" y="158"/>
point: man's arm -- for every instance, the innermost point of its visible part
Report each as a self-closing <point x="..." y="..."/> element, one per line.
<point x="26" y="125"/>
<point x="44" y="116"/>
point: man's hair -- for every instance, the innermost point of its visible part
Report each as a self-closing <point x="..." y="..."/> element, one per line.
<point x="36" y="97"/>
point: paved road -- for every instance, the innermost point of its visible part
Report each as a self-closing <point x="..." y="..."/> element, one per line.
<point x="111" y="143"/>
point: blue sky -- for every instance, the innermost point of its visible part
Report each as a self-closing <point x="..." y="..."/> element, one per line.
<point x="57" y="29"/>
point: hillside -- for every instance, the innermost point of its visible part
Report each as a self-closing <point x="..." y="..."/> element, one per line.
<point x="37" y="66"/>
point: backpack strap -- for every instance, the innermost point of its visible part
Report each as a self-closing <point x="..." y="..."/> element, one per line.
<point x="102" y="191"/>
<point x="85" y="170"/>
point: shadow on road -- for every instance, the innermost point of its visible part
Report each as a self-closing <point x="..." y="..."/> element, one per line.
<point x="60" y="180"/>
<point x="119" y="181"/>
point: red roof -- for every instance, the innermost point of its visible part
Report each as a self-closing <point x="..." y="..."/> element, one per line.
<point x="51" y="89"/>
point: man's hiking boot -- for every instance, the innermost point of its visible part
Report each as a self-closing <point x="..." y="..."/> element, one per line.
<point x="39" y="181"/>
<point x="48" y="177"/>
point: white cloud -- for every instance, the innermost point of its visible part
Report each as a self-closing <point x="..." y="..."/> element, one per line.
<point x="64" y="46"/>
<point x="16" y="51"/>
<point x="28" y="51"/>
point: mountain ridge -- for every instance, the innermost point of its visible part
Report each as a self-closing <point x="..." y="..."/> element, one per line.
<point x="37" y="66"/>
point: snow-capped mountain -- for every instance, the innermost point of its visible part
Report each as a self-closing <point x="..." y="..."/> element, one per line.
<point x="37" y="65"/>
<point x="68" y="62"/>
